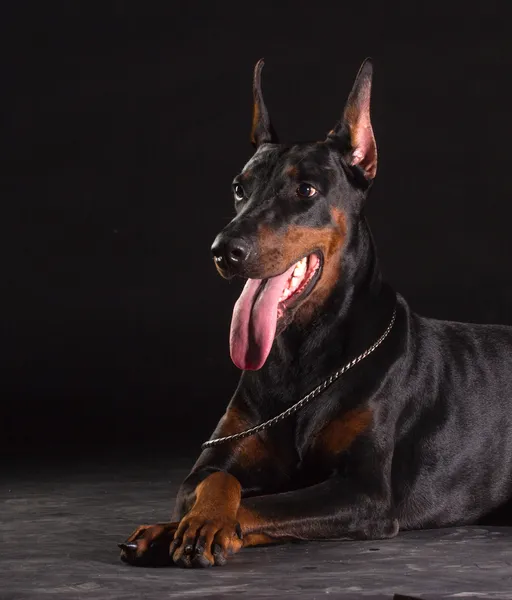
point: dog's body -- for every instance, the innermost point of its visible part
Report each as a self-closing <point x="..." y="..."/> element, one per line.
<point x="415" y="435"/>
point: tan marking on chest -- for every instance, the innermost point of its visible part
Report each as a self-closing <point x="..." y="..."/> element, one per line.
<point x="338" y="435"/>
<point x="248" y="451"/>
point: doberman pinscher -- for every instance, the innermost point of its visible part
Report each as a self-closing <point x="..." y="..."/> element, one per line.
<point x="373" y="418"/>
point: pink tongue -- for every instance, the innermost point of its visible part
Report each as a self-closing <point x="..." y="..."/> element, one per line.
<point x="253" y="326"/>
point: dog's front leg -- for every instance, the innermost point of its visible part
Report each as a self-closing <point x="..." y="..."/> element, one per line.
<point x="208" y="501"/>
<point x="220" y="523"/>
<point x="336" y="508"/>
<point x="210" y="531"/>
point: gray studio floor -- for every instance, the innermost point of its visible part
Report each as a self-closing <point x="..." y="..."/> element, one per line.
<point x="59" y="529"/>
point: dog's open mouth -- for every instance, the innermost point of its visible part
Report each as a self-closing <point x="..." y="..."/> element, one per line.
<point x="262" y="303"/>
<point x="300" y="283"/>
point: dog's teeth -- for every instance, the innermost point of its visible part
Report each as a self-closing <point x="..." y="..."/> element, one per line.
<point x="300" y="267"/>
<point x="284" y="295"/>
<point x="296" y="279"/>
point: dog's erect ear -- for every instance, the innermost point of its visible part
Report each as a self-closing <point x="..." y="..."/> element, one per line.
<point x="262" y="131"/>
<point x="356" y="120"/>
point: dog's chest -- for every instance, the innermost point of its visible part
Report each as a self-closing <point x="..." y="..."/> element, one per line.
<point x="324" y="444"/>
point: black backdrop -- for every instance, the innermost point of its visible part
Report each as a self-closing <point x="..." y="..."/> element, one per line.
<point x="123" y="127"/>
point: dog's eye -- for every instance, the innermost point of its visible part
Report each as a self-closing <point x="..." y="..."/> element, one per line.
<point x="238" y="190"/>
<point x="304" y="190"/>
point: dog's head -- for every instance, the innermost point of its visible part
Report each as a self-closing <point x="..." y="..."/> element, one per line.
<point x="295" y="205"/>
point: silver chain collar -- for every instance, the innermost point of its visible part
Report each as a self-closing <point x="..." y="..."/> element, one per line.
<point x="307" y="399"/>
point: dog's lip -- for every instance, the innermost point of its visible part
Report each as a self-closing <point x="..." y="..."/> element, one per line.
<point x="266" y="277"/>
<point x="224" y="272"/>
<point x="228" y="274"/>
<point x="298" y="298"/>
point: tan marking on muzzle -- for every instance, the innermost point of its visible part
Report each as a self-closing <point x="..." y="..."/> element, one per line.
<point x="279" y="251"/>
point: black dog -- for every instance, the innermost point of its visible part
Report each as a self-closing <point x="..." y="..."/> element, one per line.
<point x="416" y="429"/>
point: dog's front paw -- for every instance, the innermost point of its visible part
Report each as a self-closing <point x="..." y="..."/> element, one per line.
<point x="149" y="545"/>
<point x="203" y="542"/>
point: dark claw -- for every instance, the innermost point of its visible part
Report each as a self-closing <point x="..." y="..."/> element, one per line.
<point x="189" y="548"/>
<point x="219" y="558"/>
<point x="130" y="546"/>
<point x="201" y="561"/>
<point x="239" y="533"/>
<point x="184" y="561"/>
<point x="200" y="545"/>
<point x="216" y="549"/>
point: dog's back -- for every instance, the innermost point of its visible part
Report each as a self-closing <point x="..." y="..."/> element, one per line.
<point x="453" y="454"/>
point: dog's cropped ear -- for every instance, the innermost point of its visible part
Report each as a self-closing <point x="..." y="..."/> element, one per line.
<point x="262" y="131"/>
<point x="356" y="121"/>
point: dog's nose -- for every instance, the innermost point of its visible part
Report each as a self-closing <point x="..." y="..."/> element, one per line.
<point x="230" y="252"/>
<point x="237" y="251"/>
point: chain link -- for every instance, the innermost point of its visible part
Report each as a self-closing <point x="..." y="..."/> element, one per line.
<point x="311" y="396"/>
